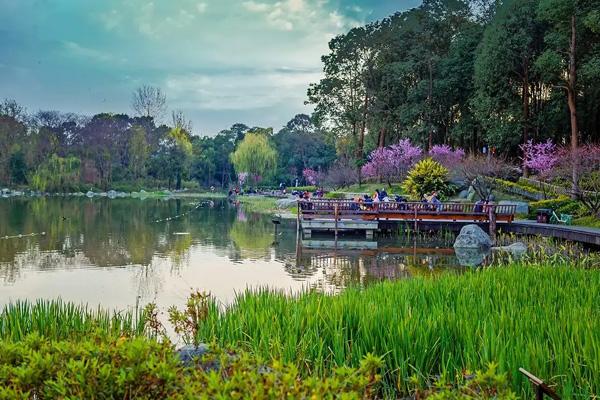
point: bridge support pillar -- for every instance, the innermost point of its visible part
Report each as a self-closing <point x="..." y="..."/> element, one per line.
<point x="307" y="233"/>
<point x="369" y="233"/>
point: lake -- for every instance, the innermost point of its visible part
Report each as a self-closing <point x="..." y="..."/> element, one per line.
<point x="122" y="253"/>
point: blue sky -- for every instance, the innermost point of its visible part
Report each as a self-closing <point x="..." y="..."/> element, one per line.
<point x="220" y="61"/>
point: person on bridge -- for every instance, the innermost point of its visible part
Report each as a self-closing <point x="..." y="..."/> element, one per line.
<point x="435" y="201"/>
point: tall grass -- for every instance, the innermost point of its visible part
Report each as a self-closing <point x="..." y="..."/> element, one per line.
<point x="57" y="320"/>
<point x="545" y="319"/>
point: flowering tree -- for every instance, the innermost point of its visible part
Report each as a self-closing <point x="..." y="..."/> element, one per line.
<point x="540" y="157"/>
<point x="242" y="178"/>
<point x="311" y="176"/>
<point x="392" y="162"/>
<point x="446" y="156"/>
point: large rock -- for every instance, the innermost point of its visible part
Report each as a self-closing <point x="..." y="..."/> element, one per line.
<point x="190" y="354"/>
<point x="522" y="207"/>
<point x="472" y="237"/>
<point x="471" y="256"/>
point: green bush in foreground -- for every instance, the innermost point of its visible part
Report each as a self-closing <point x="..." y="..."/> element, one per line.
<point x="544" y="319"/>
<point x="141" y="368"/>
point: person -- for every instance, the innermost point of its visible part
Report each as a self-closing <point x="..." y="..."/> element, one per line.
<point x="478" y="206"/>
<point x="212" y="189"/>
<point x="435" y="201"/>
<point x="383" y="194"/>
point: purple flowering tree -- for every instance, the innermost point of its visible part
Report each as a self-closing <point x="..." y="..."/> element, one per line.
<point x="540" y="157"/>
<point x="311" y="176"/>
<point x="392" y="162"/>
<point x="448" y="157"/>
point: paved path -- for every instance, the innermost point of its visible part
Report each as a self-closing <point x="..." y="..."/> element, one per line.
<point x="582" y="234"/>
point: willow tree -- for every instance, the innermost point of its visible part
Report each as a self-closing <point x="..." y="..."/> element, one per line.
<point x="255" y="156"/>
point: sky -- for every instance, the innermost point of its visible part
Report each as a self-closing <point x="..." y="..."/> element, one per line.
<point x="219" y="61"/>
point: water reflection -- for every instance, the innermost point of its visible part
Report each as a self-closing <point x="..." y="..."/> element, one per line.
<point x="112" y="252"/>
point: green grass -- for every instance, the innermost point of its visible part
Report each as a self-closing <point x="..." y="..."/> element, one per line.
<point x="544" y="319"/>
<point x="265" y="205"/>
<point x="57" y="320"/>
<point x="589" y="221"/>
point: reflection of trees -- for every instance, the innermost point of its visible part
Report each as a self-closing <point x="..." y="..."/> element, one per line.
<point x="253" y="238"/>
<point x="119" y="232"/>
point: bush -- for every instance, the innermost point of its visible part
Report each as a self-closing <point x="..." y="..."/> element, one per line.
<point x="561" y="205"/>
<point x="123" y="368"/>
<point x="335" y="195"/>
<point x="426" y="177"/>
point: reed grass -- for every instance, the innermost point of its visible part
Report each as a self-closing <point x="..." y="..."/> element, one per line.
<point x="545" y="319"/>
<point x="57" y="320"/>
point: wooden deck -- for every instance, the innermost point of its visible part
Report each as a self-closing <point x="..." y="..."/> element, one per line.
<point x="348" y="215"/>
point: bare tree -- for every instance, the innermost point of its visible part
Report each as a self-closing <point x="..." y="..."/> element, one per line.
<point x="479" y="172"/>
<point x="180" y="121"/>
<point x="149" y="101"/>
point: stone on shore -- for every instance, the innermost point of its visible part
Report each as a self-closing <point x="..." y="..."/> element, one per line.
<point x="472" y="237"/>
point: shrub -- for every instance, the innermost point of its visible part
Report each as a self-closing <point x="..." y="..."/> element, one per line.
<point x="561" y="204"/>
<point x="121" y="368"/>
<point x="426" y="177"/>
<point x="335" y="195"/>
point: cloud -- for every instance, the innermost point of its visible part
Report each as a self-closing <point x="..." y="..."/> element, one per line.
<point x="253" y="6"/>
<point x="201" y="8"/>
<point x="239" y="90"/>
<point x="86" y="52"/>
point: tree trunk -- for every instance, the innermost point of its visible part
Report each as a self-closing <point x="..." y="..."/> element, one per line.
<point x="572" y="100"/>
<point x="429" y="107"/>
<point x="381" y="139"/>
<point x="525" y="109"/>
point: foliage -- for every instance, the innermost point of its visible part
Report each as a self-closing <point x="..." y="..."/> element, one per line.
<point x="100" y="367"/>
<point x="57" y="175"/>
<point x="479" y="172"/>
<point x="561" y="204"/>
<point x="393" y="162"/>
<point x="430" y="327"/>
<point x="341" y="174"/>
<point x="426" y="177"/>
<point x="255" y="155"/>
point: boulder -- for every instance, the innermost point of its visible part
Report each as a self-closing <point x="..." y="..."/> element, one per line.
<point x="463" y="194"/>
<point x="517" y="250"/>
<point x="189" y="354"/>
<point x="471" y="256"/>
<point x="522" y="206"/>
<point x="472" y="237"/>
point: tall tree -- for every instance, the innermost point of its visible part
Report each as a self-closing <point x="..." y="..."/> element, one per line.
<point x="255" y="156"/>
<point x="149" y="101"/>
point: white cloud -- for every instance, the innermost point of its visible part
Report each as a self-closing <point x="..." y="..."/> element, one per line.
<point x="201" y="8"/>
<point x="86" y="52"/>
<point x="239" y="90"/>
<point x="253" y="6"/>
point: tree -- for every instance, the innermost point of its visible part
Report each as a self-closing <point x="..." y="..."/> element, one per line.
<point x="149" y="101"/>
<point x="138" y="152"/>
<point x="445" y="155"/>
<point x="393" y="162"/>
<point x="504" y="74"/>
<point x="255" y="155"/>
<point x="540" y="157"/>
<point x="426" y="177"/>
<point x="573" y="30"/>
<point x="479" y="172"/>
<point x="179" y="120"/>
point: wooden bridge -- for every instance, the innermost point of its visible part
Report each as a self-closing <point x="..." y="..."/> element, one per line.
<point x="349" y="215"/>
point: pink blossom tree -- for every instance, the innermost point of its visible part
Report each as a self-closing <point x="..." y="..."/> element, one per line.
<point x="445" y="155"/>
<point x="540" y="157"/>
<point x="392" y="162"/>
<point x="311" y="176"/>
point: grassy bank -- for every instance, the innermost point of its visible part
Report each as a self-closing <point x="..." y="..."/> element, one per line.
<point x="545" y="319"/>
<point x="265" y="205"/>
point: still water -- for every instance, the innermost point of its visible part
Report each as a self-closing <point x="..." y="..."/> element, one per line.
<point x="115" y="254"/>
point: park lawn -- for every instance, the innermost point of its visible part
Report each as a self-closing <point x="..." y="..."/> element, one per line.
<point x="265" y="205"/>
<point x="590" y="222"/>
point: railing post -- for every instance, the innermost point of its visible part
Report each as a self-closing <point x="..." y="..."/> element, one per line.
<point x="335" y="217"/>
<point x="492" y="219"/>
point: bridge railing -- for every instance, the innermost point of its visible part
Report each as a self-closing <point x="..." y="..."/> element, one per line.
<point x="349" y="209"/>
